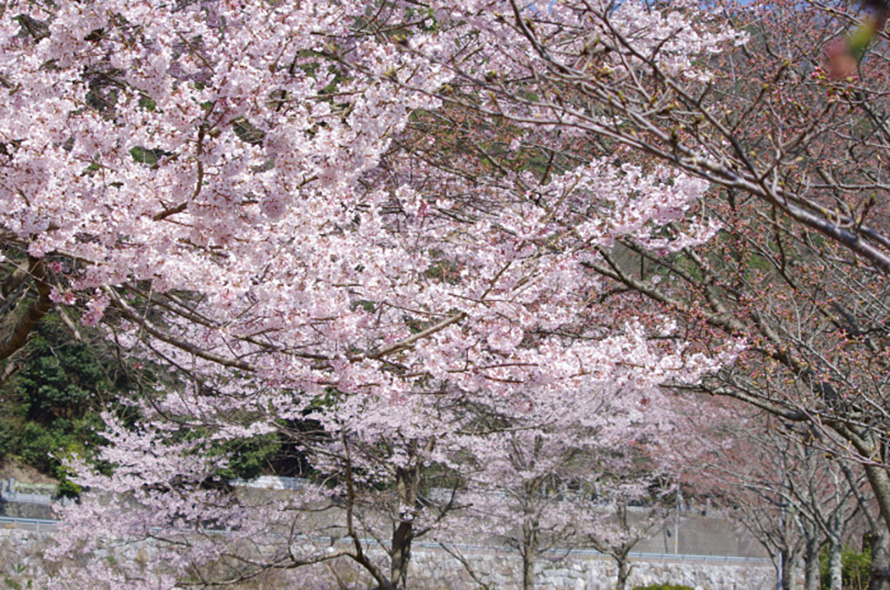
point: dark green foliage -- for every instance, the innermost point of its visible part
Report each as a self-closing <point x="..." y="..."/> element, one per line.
<point x="855" y="568"/>
<point x="144" y="155"/>
<point x="149" y="156"/>
<point x="50" y="408"/>
<point x="250" y="458"/>
<point x="663" y="587"/>
<point x="248" y="132"/>
<point x="16" y="585"/>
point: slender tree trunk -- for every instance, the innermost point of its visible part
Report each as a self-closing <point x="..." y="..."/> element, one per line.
<point x="787" y="570"/>
<point x="835" y="548"/>
<point x="624" y="568"/>
<point x="811" y="562"/>
<point x="528" y="569"/>
<point x="621" y="553"/>
<point x="811" y="537"/>
<point x="835" y="565"/>
<point x="529" y="551"/>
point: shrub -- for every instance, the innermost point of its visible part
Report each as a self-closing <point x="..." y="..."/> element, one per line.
<point x="855" y="568"/>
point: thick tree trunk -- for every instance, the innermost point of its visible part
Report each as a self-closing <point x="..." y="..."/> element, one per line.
<point x="879" y="480"/>
<point x="407" y="481"/>
<point x="401" y="554"/>
<point x="880" y="563"/>
<point x="18" y="334"/>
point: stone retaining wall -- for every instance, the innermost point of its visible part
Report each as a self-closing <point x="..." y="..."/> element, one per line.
<point x="434" y="569"/>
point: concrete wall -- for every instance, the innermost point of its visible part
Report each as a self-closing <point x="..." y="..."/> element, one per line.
<point x="25" y="509"/>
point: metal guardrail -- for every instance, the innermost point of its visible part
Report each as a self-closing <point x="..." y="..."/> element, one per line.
<point x="39" y="525"/>
<point x="10" y="491"/>
<point x="691" y="557"/>
<point x="271" y="482"/>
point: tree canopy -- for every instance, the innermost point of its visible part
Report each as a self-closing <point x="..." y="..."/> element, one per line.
<point x="390" y="235"/>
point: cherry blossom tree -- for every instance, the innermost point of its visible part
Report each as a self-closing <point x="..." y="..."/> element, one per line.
<point x="794" y="499"/>
<point x="341" y="209"/>
<point x="549" y="473"/>
<point x="375" y="469"/>
<point x="794" y="148"/>
<point x="274" y="200"/>
<point x="334" y="213"/>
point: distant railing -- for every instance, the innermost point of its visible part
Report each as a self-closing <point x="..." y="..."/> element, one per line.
<point x="41" y="494"/>
<point x="271" y="482"/>
<point x="39" y="525"/>
<point x="10" y="491"/>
